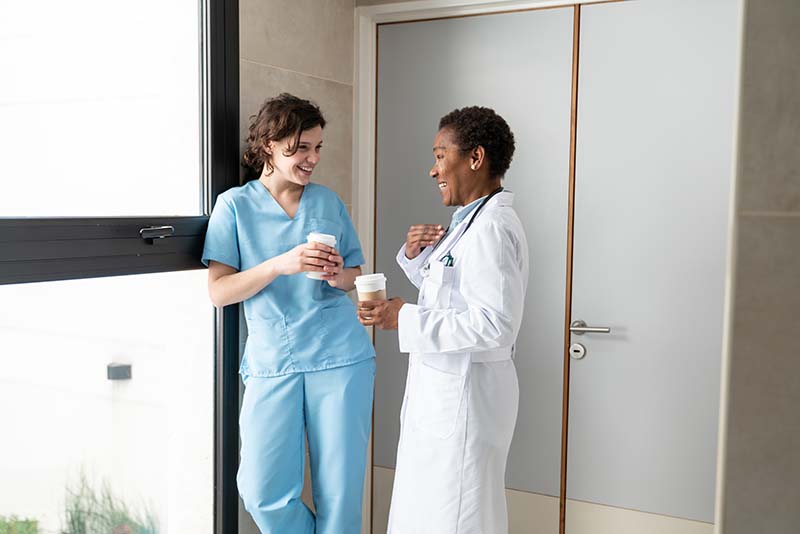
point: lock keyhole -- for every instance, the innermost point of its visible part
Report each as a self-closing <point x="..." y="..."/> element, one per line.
<point x="577" y="351"/>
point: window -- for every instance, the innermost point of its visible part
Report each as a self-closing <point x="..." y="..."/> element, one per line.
<point x="100" y="108"/>
<point x="118" y="128"/>
<point x="107" y="390"/>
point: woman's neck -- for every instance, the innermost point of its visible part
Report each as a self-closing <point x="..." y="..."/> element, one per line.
<point x="480" y="192"/>
<point x="287" y="194"/>
<point x="281" y="188"/>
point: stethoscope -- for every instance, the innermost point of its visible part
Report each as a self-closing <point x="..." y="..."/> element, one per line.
<point x="448" y="259"/>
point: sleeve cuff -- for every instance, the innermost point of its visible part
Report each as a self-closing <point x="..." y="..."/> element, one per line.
<point x="229" y="261"/>
<point x="406" y="333"/>
<point x="353" y="260"/>
<point x="410" y="265"/>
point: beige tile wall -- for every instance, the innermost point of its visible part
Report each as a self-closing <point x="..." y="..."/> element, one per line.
<point x="761" y="488"/>
<point x="374" y="2"/>
<point x="304" y="47"/>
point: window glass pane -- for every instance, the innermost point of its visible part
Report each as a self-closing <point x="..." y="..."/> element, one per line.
<point x="99" y="108"/>
<point x="70" y="434"/>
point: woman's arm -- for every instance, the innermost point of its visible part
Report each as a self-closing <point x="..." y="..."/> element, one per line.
<point x="227" y="286"/>
<point x="420" y="241"/>
<point x="493" y="283"/>
<point x="493" y="278"/>
<point x="344" y="279"/>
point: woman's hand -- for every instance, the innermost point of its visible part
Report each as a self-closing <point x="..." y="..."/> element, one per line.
<point x="335" y="274"/>
<point x="420" y="236"/>
<point x="380" y="313"/>
<point x="306" y="257"/>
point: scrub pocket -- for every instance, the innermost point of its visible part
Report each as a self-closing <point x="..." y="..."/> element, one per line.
<point x="267" y="349"/>
<point x="439" y="395"/>
<point x="333" y="329"/>
<point x="438" y="286"/>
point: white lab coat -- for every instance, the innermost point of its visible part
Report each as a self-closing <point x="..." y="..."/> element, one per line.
<point x="462" y="395"/>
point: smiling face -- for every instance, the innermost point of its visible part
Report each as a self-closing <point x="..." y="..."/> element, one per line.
<point x="298" y="167"/>
<point x="456" y="180"/>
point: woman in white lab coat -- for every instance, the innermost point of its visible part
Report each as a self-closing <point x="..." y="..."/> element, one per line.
<point x="462" y="394"/>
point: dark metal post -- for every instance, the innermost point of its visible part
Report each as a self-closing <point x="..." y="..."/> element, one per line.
<point x="224" y="173"/>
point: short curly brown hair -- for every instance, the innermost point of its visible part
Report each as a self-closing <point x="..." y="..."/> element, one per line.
<point x="279" y="117"/>
<point x="478" y="126"/>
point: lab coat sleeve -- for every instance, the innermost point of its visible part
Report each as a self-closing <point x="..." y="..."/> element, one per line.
<point x="492" y="283"/>
<point x="412" y="266"/>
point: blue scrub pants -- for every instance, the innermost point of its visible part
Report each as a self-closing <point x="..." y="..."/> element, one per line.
<point x="334" y="407"/>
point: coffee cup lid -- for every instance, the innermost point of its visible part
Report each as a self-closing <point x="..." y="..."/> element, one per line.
<point x="325" y="239"/>
<point x="367" y="278"/>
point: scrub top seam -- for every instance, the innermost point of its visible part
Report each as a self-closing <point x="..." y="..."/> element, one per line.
<point x="344" y="363"/>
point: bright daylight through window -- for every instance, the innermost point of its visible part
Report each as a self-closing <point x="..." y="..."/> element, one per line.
<point x="107" y="385"/>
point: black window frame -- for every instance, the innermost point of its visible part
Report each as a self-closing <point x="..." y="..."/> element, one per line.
<point x="68" y="248"/>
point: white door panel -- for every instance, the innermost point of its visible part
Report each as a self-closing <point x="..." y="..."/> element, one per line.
<point x="656" y="104"/>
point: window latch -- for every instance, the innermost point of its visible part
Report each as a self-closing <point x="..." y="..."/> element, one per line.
<point x="152" y="233"/>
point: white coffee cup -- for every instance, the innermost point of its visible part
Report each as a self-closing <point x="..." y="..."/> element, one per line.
<point x="325" y="239"/>
<point x="371" y="286"/>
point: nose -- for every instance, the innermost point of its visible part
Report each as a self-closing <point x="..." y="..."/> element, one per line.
<point x="433" y="173"/>
<point x="313" y="158"/>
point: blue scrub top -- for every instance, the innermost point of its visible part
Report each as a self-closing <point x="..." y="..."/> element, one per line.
<point x="295" y="324"/>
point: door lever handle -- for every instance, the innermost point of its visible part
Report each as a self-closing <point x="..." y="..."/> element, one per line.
<point x="579" y="328"/>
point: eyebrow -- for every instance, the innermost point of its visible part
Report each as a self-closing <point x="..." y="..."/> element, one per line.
<point x="439" y="148"/>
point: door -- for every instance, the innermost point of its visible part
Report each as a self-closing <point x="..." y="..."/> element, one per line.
<point x="656" y="102"/>
<point x="520" y="64"/>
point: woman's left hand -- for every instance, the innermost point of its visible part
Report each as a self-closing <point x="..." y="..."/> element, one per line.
<point x="333" y="274"/>
<point x="380" y="313"/>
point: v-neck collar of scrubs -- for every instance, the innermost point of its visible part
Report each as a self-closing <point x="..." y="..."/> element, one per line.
<point x="277" y="204"/>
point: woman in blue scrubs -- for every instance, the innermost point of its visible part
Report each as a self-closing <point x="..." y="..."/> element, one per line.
<point x="308" y="365"/>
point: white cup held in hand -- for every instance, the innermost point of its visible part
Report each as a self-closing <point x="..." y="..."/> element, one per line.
<point x="371" y="287"/>
<point x="325" y="239"/>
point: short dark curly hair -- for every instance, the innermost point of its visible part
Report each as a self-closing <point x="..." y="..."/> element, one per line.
<point x="280" y="117"/>
<point x="473" y="126"/>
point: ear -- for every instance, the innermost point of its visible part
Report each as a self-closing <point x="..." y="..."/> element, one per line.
<point x="477" y="158"/>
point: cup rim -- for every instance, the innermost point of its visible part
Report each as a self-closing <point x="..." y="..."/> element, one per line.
<point x="367" y="278"/>
<point x="319" y="237"/>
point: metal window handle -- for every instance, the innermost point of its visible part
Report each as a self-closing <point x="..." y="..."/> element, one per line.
<point x="156" y="232"/>
<point x="579" y="328"/>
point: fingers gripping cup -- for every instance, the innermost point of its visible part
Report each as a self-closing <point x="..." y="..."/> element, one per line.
<point x="325" y="239"/>
<point x="371" y="287"/>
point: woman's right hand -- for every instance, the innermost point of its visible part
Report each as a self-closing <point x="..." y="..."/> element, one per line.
<point x="305" y="257"/>
<point x="421" y="236"/>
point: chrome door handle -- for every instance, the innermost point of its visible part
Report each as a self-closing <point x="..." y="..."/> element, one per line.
<point x="579" y="328"/>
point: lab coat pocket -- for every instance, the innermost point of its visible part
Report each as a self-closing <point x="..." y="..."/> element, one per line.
<point x="439" y="286"/>
<point x="439" y="395"/>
